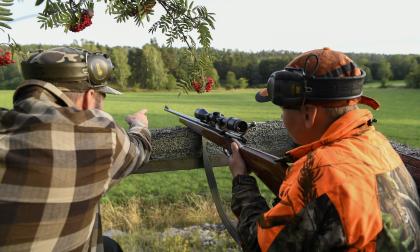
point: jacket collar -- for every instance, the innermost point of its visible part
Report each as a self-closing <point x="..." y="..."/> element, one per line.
<point x="345" y="126"/>
<point x="43" y="91"/>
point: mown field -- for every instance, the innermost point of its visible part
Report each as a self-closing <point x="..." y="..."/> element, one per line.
<point x="144" y="205"/>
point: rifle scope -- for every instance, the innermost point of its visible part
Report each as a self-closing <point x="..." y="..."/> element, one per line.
<point x="224" y="123"/>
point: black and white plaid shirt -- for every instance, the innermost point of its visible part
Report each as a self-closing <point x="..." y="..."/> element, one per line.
<point x="55" y="164"/>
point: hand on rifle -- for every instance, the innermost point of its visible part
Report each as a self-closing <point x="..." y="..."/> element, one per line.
<point x="236" y="162"/>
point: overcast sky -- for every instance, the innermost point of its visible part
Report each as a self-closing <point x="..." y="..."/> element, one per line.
<point x="374" y="26"/>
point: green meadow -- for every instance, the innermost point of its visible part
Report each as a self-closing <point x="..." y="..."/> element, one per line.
<point x="164" y="194"/>
<point x="398" y="118"/>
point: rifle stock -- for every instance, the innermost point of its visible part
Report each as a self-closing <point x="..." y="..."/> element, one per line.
<point x="269" y="168"/>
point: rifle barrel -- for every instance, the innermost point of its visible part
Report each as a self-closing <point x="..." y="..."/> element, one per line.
<point x="167" y="109"/>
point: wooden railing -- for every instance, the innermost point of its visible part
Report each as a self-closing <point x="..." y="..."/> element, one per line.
<point x="179" y="148"/>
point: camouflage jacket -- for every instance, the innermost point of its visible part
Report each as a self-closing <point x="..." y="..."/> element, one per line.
<point x="349" y="191"/>
<point x="55" y="164"/>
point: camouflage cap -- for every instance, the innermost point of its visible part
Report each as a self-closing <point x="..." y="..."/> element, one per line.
<point x="70" y="69"/>
<point x="327" y="63"/>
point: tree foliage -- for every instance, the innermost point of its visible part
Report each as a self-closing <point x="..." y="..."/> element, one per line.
<point x="5" y="14"/>
<point x="153" y="74"/>
<point x="171" y="83"/>
<point x="384" y="72"/>
<point x="242" y="83"/>
<point x="401" y="65"/>
<point x="413" y="78"/>
<point x="212" y="72"/>
<point x="177" y="64"/>
<point x="135" y="56"/>
<point x="268" y="66"/>
<point x="10" y="77"/>
<point x="180" y="19"/>
<point x="122" y="70"/>
<point x="231" y="80"/>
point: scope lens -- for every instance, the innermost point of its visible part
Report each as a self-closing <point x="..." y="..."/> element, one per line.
<point x="242" y="126"/>
<point x="236" y="124"/>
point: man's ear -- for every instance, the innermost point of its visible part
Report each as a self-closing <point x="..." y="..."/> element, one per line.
<point x="309" y="112"/>
<point x="89" y="99"/>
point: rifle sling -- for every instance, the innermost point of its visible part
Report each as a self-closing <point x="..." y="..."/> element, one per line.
<point x="216" y="196"/>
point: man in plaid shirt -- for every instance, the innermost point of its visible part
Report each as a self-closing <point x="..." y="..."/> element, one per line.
<point x="59" y="153"/>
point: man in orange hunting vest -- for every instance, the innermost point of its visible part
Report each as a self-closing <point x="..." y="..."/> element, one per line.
<point x="346" y="188"/>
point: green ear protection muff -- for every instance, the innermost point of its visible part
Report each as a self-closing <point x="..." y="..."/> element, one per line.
<point x="99" y="68"/>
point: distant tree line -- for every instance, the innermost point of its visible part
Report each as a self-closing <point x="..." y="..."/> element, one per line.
<point x="158" y="68"/>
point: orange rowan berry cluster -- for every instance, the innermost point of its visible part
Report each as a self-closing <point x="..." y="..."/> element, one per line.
<point x="85" y="21"/>
<point x="207" y="88"/>
<point x="209" y="84"/>
<point x="6" y="58"/>
<point x="197" y="86"/>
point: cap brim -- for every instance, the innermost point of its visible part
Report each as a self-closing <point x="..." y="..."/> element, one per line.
<point x="370" y="102"/>
<point x="107" y="90"/>
<point x="262" y="96"/>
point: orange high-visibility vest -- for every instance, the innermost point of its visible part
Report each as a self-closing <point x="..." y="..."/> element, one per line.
<point x="343" y="165"/>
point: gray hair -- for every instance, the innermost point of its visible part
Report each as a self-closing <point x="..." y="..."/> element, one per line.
<point x="74" y="96"/>
<point x="335" y="113"/>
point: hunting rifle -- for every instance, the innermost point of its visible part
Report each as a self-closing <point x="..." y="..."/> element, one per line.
<point x="269" y="168"/>
<point x="223" y="131"/>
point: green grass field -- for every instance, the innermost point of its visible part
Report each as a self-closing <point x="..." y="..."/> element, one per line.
<point x="398" y="118"/>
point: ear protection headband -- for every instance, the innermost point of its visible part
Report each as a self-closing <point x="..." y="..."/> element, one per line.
<point x="291" y="87"/>
<point x="96" y="69"/>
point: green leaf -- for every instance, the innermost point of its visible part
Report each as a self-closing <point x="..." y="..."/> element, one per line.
<point x="3" y="18"/>
<point x="5" y="13"/>
<point x="5" y="25"/>
<point x="41" y="18"/>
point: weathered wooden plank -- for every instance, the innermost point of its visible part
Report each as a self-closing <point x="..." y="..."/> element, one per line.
<point x="179" y="148"/>
<point x="411" y="159"/>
